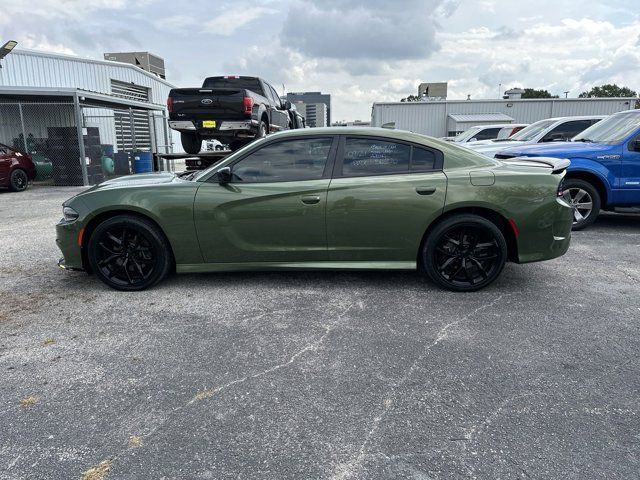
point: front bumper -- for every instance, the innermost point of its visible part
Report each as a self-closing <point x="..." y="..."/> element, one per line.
<point x="67" y="240"/>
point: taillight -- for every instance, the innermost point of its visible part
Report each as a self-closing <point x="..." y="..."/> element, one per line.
<point x="170" y="104"/>
<point x="560" y="192"/>
<point x="247" y="103"/>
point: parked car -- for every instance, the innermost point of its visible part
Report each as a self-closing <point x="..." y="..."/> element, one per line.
<point x="550" y="130"/>
<point x="487" y="132"/>
<point x="324" y="198"/>
<point x="213" y="145"/>
<point x="233" y="110"/>
<point x="16" y="169"/>
<point x="605" y="166"/>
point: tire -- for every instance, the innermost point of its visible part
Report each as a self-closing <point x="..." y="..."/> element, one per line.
<point x="263" y="129"/>
<point x="464" y="253"/>
<point x="146" y="257"/>
<point x="237" y="145"/>
<point x="19" y="180"/>
<point x="582" y="195"/>
<point x="191" y="142"/>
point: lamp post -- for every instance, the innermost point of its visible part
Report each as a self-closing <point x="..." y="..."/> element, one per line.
<point x="6" y="49"/>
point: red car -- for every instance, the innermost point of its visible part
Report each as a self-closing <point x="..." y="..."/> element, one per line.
<point x="16" y="169"/>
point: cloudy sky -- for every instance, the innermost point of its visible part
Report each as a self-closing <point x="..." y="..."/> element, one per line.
<point x="360" y="51"/>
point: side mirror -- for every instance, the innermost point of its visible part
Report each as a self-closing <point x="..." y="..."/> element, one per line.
<point x="224" y="175"/>
<point x="635" y="145"/>
<point x="474" y="139"/>
<point x="286" y="104"/>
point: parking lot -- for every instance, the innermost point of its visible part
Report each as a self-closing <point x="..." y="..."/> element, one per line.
<point x="318" y="375"/>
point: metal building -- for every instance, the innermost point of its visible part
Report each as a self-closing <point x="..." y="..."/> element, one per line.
<point x="145" y="60"/>
<point x="81" y="119"/>
<point x="448" y="118"/>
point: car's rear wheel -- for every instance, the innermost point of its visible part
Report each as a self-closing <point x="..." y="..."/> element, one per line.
<point x="585" y="200"/>
<point x="464" y="253"/>
<point x="19" y="180"/>
<point x="263" y="129"/>
<point x="129" y="253"/>
<point x="191" y="142"/>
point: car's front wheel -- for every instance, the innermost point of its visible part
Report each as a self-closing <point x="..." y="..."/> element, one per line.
<point x="585" y="200"/>
<point x="191" y="142"/>
<point x="18" y="181"/>
<point x="129" y="253"/>
<point x="464" y="253"/>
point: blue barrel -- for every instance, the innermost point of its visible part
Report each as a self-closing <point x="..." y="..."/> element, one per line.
<point x="142" y="162"/>
<point x="107" y="150"/>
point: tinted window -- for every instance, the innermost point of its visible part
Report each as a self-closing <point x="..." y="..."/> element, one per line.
<point x="288" y="161"/>
<point x="247" y="83"/>
<point x="568" y="130"/>
<point x="423" y="159"/>
<point x="374" y="157"/>
<point x="487" y="134"/>
<point x="276" y="98"/>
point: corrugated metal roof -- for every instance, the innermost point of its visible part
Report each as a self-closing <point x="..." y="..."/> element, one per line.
<point x="480" y="117"/>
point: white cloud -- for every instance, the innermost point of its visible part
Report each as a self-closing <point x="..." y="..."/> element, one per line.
<point x="230" y="20"/>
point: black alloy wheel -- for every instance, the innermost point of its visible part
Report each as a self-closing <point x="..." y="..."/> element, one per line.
<point x="465" y="253"/>
<point x="129" y="253"/>
<point x="19" y="180"/>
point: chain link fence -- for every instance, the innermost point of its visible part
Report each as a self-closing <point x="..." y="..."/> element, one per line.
<point x="85" y="146"/>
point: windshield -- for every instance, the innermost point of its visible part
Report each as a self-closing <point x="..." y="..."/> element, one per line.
<point x="532" y="131"/>
<point x="466" y="135"/>
<point x="611" y="130"/>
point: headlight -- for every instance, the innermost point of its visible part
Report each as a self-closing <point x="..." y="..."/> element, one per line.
<point x="69" y="214"/>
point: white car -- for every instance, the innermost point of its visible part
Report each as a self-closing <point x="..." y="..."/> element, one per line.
<point x="557" y="129"/>
<point x="487" y="132"/>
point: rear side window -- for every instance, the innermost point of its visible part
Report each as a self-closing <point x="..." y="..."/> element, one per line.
<point x="368" y="156"/>
<point x="286" y="161"/>
<point x="364" y="156"/>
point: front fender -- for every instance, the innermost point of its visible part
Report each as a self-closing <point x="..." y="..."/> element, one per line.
<point x="604" y="170"/>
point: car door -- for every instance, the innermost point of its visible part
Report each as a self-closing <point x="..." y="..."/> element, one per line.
<point x="273" y="210"/>
<point x="630" y="180"/>
<point x="382" y="198"/>
<point x="6" y="157"/>
<point x="279" y="116"/>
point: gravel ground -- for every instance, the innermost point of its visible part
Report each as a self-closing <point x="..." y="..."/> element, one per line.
<point x="318" y="375"/>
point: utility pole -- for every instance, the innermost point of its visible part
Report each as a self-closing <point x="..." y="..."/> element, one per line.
<point x="566" y="94"/>
<point x="499" y="89"/>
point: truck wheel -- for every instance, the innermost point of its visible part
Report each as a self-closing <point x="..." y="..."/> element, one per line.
<point x="263" y="129"/>
<point x="236" y="145"/>
<point x="191" y="142"/>
<point x="585" y="200"/>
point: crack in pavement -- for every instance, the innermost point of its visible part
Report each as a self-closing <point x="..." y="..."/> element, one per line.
<point x="210" y="393"/>
<point x="348" y="469"/>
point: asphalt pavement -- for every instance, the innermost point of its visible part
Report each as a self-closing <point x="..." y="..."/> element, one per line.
<point x="318" y="375"/>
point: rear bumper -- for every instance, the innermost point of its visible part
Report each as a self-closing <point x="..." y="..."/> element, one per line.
<point x="547" y="233"/>
<point x="225" y="128"/>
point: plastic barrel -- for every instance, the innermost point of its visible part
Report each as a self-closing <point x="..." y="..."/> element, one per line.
<point x="107" y="165"/>
<point x="107" y="150"/>
<point x="142" y="162"/>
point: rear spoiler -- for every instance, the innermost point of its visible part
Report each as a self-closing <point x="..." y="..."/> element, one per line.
<point x="556" y="165"/>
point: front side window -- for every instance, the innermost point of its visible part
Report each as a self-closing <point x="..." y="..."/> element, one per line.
<point x="487" y="134"/>
<point x="286" y="161"/>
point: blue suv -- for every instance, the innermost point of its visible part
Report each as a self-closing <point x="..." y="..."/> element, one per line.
<point x="605" y="166"/>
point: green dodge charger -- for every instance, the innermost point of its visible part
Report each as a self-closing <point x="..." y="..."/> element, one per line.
<point x="324" y="198"/>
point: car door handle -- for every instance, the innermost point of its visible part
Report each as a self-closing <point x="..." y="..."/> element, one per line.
<point x="311" y="199"/>
<point x="425" y="190"/>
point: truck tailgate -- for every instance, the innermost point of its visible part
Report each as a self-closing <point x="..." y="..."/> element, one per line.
<point x="207" y="104"/>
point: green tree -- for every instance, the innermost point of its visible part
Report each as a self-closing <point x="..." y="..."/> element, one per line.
<point x="411" y="98"/>
<point x="609" y="90"/>
<point x="537" y="93"/>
